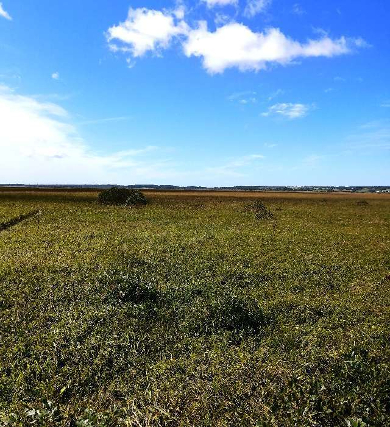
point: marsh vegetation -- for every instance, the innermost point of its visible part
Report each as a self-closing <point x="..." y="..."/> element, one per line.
<point x="190" y="311"/>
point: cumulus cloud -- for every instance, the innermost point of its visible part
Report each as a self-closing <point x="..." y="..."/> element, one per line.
<point x="39" y="144"/>
<point x="236" y="45"/>
<point x="231" y="45"/>
<point x="146" y="30"/>
<point x="289" y="110"/>
<point x="213" y="3"/>
<point x="4" y="14"/>
<point x="55" y="76"/>
<point x="254" y="7"/>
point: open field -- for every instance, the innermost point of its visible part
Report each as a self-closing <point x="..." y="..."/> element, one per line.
<point x="192" y="312"/>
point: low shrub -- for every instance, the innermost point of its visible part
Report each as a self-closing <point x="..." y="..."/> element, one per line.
<point x="129" y="288"/>
<point x="229" y="312"/>
<point x="260" y="210"/>
<point x="122" y="197"/>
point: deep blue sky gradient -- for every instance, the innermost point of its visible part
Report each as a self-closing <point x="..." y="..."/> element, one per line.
<point x="196" y="119"/>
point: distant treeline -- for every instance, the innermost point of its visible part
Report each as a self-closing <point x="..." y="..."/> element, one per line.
<point x="325" y="189"/>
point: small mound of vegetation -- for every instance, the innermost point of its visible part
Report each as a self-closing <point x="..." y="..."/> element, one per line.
<point x="121" y="287"/>
<point x="120" y="196"/>
<point x="229" y="312"/>
<point x="260" y="210"/>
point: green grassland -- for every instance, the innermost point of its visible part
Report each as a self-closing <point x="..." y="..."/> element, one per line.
<point x="192" y="312"/>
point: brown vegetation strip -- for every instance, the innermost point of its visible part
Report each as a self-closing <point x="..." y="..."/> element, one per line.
<point x="267" y="194"/>
<point x="17" y="220"/>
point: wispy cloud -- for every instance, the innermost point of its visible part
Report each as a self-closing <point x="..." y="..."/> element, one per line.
<point x="385" y="104"/>
<point x="214" y="3"/>
<point x="275" y="94"/>
<point x="288" y="110"/>
<point x="234" y="167"/>
<point x="54" y="96"/>
<point x="320" y="31"/>
<point x="39" y="143"/>
<point x="245" y="97"/>
<point x="373" y="135"/>
<point x="312" y="160"/>
<point x="105" y="120"/>
<point x="222" y="19"/>
<point x="4" y="13"/>
<point x="55" y="76"/>
<point x="254" y="7"/>
<point x="298" y="10"/>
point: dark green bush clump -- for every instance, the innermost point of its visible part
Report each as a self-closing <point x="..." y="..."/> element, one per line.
<point x="260" y="210"/>
<point x="122" y="197"/>
<point x="229" y="312"/>
<point x="127" y="288"/>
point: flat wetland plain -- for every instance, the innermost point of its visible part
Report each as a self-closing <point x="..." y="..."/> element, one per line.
<point x="190" y="311"/>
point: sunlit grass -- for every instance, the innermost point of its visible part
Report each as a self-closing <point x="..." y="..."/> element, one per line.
<point x="192" y="311"/>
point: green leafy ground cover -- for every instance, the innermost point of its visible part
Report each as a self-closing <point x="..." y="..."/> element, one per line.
<point x="191" y="312"/>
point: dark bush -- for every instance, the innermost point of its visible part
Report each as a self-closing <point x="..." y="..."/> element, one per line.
<point x="122" y="197"/>
<point x="128" y="288"/>
<point x="236" y="313"/>
<point x="227" y="312"/>
<point x="260" y="210"/>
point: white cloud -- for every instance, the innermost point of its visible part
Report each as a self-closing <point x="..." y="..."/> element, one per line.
<point x="55" y="76"/>
<point x="231" y="45"/>
<point x="146" y="30"/>
<point x="246" y="97"/>
<point x="254" y="7"/>
<point x="385" y="104"/>
<point x="236" y="45"/>
<point x="39" y="145"/>
<point x="245" y="101"/>
<point x="213" y="3"/>
<point x="289" y="110"/>
<point x="361" y="43"/>
<point x="4" y="14"/>
<point x="180" y="11"/>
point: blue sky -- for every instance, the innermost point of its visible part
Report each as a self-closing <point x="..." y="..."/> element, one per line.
<point x="206" y="92"/>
